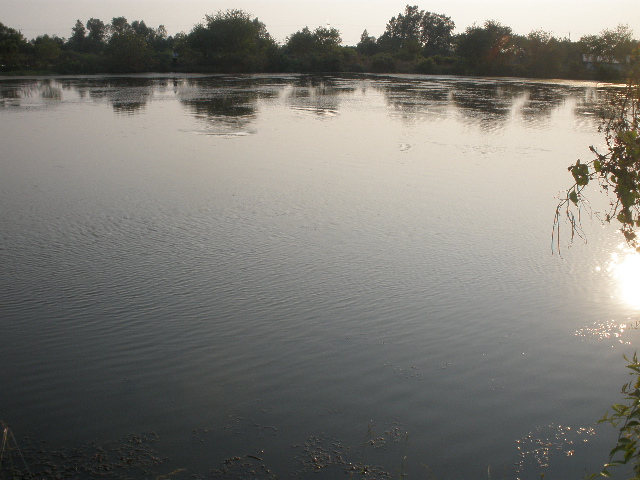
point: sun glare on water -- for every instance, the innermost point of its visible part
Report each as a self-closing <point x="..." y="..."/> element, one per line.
<point x="625" y="269"/>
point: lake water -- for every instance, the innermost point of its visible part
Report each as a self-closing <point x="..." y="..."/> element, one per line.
<point x="292" y="276"/>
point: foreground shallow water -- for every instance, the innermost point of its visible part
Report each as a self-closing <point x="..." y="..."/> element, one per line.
<point x="281" y="273"/>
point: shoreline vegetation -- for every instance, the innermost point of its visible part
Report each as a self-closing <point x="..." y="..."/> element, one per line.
<point x="232" y="41"/>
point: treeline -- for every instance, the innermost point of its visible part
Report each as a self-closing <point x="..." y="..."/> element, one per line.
<point x="414" y="41"/>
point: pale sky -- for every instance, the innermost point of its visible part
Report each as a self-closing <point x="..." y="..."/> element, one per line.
<point x="563" y="18"/>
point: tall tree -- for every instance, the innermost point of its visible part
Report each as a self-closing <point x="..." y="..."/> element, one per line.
<point x="97" y="34"/>
<point x="128" y="52"/>
<point x="367" y="45"/>
<point x="416" y="30"/>
<point x="47" y="49"/>
<point x="231" y="40"/>
<point x="11" y="42"/>
<point x="436" y="33"/>
<point x="120" y="25"/>
<point x="406" y="26"/>
<point x="487" y="50"/>
<point x="611" y="45"/>
<point x="543" y="55"/>
<point x="315" y="51"/>
<point x="78" y="36"/>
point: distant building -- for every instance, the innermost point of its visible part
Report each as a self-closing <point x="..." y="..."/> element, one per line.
<point x="592" y="61"/>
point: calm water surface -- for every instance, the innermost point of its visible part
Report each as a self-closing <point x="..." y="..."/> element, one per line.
<point x="309" y="271"/>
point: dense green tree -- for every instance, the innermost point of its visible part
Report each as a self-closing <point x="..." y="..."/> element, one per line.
<point x="611" y="44"/>
<point x="315" y="51"/>
<point x="383" y="63"/>
<point x="301" y="43"/>
<point x="97" y="35"/>
<point x="140" y="28"/>
<point x="367" y="44"/>
<point x="11" y="43"/>
<point x="128" y="52"/>
<point x="436" y="34"/>
<point x="542" y="55"/>
<point x="78" y="36"/>
<point x="487" y="49"/>
<point x="327" y="37"/>
<point x="414" y="41"/>
<point x="609" y="52"/>
<point x="416" y="31"/>
<point x="231" y="41"/>
<point x="156" y="38"/>
<point x="47" y="50"/>
<point x="406" y="26"/>
<point x="120" y="26"/>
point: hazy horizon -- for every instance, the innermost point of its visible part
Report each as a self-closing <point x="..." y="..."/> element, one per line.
<point x="568" y="18"/>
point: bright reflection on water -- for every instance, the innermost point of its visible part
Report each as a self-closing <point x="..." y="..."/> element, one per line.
<point x="624" y="267"/>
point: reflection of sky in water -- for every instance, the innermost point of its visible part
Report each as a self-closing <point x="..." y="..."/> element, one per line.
<point x="623" y="269"/>
<point x="537" y="448"/>
<point x="607" y="330"/>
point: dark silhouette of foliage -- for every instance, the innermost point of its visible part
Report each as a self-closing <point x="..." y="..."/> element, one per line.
<point x="230" y="41"/>
<point x="416" y="31"/>
<point x="315" y="51"/>
<point x="120" y="26"/>
<point x="487" y="49"/>
<point x="78" y="38"/>
<point x="128" y="52"/>
<point x="436" y="34"/>
<point x="96" y="36"/>
<point x="11" y="44"/>
<point x="414" y="41"/>
<point x="383" y="63"/>
<point x="609" y="52"/>
<point x="47" y="50"/>
<point x="367" y="45"/>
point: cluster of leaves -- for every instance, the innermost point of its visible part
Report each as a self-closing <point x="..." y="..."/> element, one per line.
<point x="626" y="418"/>
<point x="616" y="169"/>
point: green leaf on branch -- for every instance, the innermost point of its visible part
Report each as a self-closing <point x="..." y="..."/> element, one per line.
<point x="627" y="198"/>
<point x="573" y="196"/>
<point x="580" y="172"/>
<point x="597" y="166"/>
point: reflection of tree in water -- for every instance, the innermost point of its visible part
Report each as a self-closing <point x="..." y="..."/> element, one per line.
<point x="319" y="95"/>
<point x="541" y="100"/>
<point x="486" y="103"/>
<point x="592" y="104"/>
<point x="227" y="104"/>
<point x="126" y="94"/>
<point x="428" y="98"/>
<point x="12" y="93"/>
<point x="225" y="113"/>
<point x="50" y="90"/>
